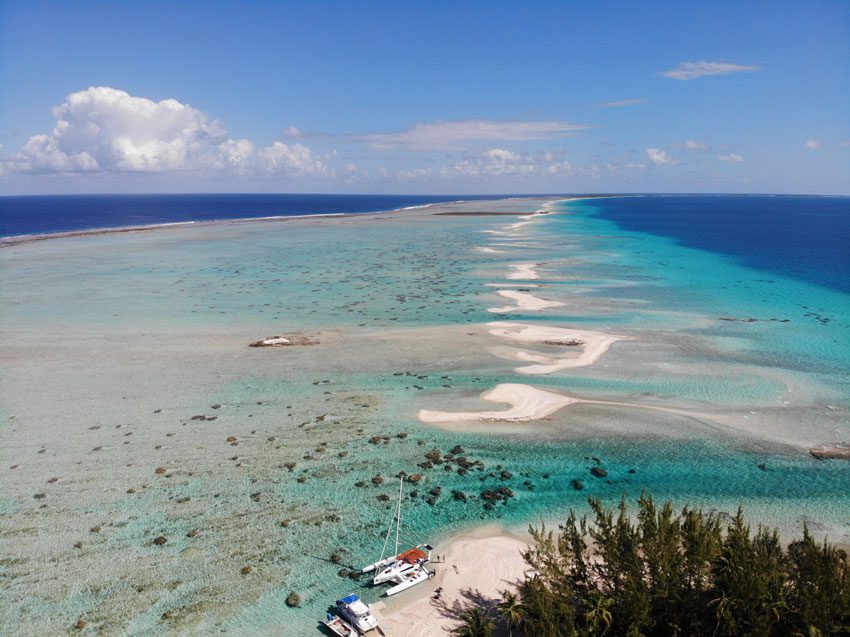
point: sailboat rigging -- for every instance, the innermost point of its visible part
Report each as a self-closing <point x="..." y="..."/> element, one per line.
<point x="404" y="569"/>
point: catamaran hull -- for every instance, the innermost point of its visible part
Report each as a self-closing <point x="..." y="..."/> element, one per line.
<point x="391" y="575"/>
<point x="409" y="582"/>
<point x="390" y="569"/>
<point x="378" y="565"/>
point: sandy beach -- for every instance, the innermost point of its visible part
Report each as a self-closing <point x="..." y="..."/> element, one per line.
<point x="476" y="565"/>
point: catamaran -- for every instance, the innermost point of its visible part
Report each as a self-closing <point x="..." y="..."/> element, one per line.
<point x="404" y="569"/>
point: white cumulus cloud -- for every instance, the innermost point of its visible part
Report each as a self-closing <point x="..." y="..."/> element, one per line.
<point x="660" y="157"/>
<point x="695" y="145"/>
<point x="734" y="157"/>
<point x="108" y="130"/>
<point x="103" y="128"/>
<point x="461" y="134"/>
<point x="812" y="144"/>
<point x="292" y="159"/>
<point x="496" y="161"/>
<point x="694" y="70"/>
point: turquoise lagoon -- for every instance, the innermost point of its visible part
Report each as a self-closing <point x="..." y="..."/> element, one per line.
<point x="113" y="343"/>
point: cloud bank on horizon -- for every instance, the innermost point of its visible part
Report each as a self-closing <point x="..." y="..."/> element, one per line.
<point x="103" y="129"/>
<point x="441" y="98"/>
<point x="106" y="131"/>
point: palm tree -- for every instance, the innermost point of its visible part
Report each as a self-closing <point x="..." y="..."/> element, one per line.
<point x="473" y="623"/>
<point x="510" y="611"/>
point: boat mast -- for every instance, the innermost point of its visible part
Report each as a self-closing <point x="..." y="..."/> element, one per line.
<point x="398" y="512"/>
<point x="397" y="520"/>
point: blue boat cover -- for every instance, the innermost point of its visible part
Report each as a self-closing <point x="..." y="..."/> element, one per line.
<point x="350" y="599"/>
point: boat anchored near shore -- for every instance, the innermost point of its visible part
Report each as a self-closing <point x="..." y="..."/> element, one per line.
<point x="405" y="569"/>
<point x="353" y="614"/>
<point x="338" y="626"/>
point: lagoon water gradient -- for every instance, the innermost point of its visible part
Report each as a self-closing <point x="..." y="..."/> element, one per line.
<point x="111" y="344"/>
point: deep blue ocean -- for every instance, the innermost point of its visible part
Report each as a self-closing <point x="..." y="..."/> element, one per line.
<point x="63" y="213"/>
<point x="802" y="237"/>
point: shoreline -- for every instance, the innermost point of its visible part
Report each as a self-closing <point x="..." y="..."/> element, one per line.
<point x="477" y="563"/>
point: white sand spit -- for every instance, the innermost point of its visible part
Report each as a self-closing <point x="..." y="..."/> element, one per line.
<point x="489" y="250"/>
<point x="527" y="403"/>
<point x="511" y="285"/>
<point x="487" y="563"/>
<point x="524" y="301"/>
<point x="591" y="348"/>
<point x="524" y="271"/>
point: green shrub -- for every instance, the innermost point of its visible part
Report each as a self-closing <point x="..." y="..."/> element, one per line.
<point x="665" y="574"/>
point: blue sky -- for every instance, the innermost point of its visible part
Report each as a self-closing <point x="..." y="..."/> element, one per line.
<point x="437" y="97"/>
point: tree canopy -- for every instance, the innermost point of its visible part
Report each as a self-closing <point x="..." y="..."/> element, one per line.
<point x="661" y="573"/>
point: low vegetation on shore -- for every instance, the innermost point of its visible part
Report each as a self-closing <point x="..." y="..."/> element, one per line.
<point x="662" y="573"/>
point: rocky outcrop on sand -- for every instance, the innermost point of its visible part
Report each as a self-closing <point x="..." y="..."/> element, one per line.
<point x="285" y="341"/>
<point x="837" y="451"/>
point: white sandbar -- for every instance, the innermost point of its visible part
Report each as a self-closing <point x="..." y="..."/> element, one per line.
<point x="524" y="301"/>
<point x="527" y="403"/>
<point x="524" y="271"/>
<point x="593" y="345"/>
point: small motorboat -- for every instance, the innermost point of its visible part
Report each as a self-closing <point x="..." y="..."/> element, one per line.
<point x="357" y="613"/>
<point x="340" y="627"/>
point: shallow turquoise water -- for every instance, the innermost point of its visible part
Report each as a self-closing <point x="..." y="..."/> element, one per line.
<point x="107" y="330"/>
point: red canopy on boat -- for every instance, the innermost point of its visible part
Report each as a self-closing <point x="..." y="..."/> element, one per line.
<point x="412" y="556"/>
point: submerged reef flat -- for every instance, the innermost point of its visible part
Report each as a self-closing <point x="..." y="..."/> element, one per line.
<point x="160" y="475"/>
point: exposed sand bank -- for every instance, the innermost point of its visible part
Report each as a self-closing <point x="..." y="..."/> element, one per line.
<point x="524" y="302"/>
<point x="592" y="345"/>
<point x="527" y="403"/>
<point x="524" y="271"/>
<point x="487" y="560"/>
